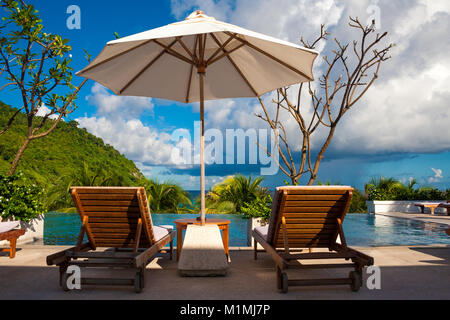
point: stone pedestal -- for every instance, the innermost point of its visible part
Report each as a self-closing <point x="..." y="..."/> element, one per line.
<point x="203" y="254"/>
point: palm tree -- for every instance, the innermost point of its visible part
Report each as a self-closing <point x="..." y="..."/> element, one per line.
<point x="166" y="197"/>
<point x="237" y="190"/>
<point x="385" y="184"/>
<point x="410" y="186"/>
<point x="58" y="196"/>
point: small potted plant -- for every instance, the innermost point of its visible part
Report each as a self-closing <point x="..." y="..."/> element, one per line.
<point x="258" y="212"/>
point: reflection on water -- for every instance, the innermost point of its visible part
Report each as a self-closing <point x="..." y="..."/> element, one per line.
<point x="360" y="229"/>
<point x="63" y="228"/>
<point x="376" y="230"/>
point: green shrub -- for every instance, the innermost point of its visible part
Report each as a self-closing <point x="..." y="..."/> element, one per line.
<point x="358" y="203"/>
<point x="19" y="199"/>
<point x="258" y="208"/>
<point x="390" y="189"/>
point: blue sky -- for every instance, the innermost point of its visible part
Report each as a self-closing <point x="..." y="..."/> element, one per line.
<point x="400" y="129"/>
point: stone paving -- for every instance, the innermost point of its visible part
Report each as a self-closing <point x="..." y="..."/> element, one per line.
<point x="407" y="272"/>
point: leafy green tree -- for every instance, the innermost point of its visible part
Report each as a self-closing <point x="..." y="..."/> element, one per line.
<point x="19" y="199"/>
<point x="36" y="65"/>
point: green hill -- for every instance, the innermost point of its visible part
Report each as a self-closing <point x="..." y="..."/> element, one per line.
<point x="63" y="152"/>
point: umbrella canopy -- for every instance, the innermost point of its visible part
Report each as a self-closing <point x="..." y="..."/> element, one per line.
<point x="199" y="59"/>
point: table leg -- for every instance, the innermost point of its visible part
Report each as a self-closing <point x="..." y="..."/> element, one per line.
<point x="179" y="242"/>
<point x="226" y="232"/>
<point x="432" y="210"/>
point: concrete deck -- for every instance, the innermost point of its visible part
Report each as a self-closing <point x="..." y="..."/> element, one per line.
<point x="414" y="272"/>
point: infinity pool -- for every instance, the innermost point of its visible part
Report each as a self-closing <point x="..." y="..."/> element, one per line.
<point x="360" y="229"/>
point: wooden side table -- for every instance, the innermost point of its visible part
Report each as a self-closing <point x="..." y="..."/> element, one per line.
<point x="429" y="205"/>
<point x="12" y="237"/>
<point x="182" y="224"/>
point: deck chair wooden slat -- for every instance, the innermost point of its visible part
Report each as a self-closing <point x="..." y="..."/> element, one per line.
<point x="118" y="219"/>
<point x="310" y="217"/>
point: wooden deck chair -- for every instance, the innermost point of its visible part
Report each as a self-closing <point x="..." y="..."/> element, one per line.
<point x="310" y="217"/>
<point x="9" y="232"/>
<point x="117" y="218"/>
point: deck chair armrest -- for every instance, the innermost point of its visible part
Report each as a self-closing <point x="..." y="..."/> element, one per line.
<point x="354" y="254"/>
<point x="270" y="250"/>
<point x="60" y="256"/>
<point x="141" y="259"/>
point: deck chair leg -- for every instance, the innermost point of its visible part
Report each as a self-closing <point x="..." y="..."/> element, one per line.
<point x="282" y="280"/>
<point x="12" y="246"/>
<point x="255" y="249"/>
<point x="142" y="271"/>
<point x="278" y="278"/>
<point x="62" y="271"/>
<point x="171" y="250"/>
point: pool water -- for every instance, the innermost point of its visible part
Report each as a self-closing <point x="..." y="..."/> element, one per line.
<point x="360" y="229"/>
<point x="63" y="228"/>
<point x="369" y="230"/>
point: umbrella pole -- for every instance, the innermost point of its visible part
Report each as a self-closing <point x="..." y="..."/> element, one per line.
<point x="202" y="148"/>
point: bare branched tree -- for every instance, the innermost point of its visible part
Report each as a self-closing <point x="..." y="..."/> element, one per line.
<point x="337" y="92"/>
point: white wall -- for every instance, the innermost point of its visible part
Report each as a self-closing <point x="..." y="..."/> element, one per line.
<point x="400" y="206"/>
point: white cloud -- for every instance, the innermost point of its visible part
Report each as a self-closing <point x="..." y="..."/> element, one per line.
<point x="132" y="138"/>
<point x="437" y="176"/>
<point x="406" y="110"/>
<point x="43" y="111"/>
<point x="110" y="105"/>
<point x="117" y="124"/>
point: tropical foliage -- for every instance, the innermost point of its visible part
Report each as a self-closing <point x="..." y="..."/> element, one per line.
<point x="58" y="196"/>
<point x="69" y="156"/>
<point x="63" y="153"/>
<point x="235" y="192"/>
<point x="392" y="189"/>
<point x="358" y="203"/>
<point x="167" y="197"/>
<point x="19" y="199"/>
<point x="261" y="207"/>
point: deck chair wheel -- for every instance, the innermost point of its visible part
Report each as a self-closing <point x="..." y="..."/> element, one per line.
<point x="356" y="278"/>
<point x="284" y="282"/>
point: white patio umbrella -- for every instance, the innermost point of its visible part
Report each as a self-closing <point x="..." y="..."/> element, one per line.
<point x="199" y="59"/>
